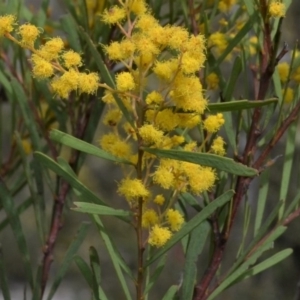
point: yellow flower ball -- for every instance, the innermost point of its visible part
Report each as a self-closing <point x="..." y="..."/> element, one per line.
<point x="132" y="189"/>
<point x="113" y="15"/>
<point x="174" y="219"/>
<point x="150" y="134"/>
<point x="277" y="9"/>
<point x="113" y="144"/>
<point x="159" y="236"/>
<point x="29" y="34"/>
<point x="213" y="123"/>
<point x="149" y="218"/>
<point x="51" y="49"/>
<point x="159" y="200"/>
<point x="6" y="24"/>
<point x="88" y="83"/>
<point x="125" y="82"/>
<point x="41" y="68"/>
<point x="71" y="59"/>
<point x="217" y="146"/>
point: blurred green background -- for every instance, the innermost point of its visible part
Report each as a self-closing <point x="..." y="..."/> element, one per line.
<point x="279" y="282"/>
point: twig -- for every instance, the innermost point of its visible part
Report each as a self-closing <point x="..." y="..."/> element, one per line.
<point x="54" y="229"/>
<point x="285" y="125"/>
<point x="139" y="232"/>
<point x="267" y="65"/>
<point x="11" y="68"/>
<point x="200" y="291"/>
<point x="291" y="217"/>
<point x="59" y="202"/>
<point x="193" y="18"/>
<point x="219" y="245"/>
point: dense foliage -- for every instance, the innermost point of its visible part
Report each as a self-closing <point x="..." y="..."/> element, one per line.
<point x="187" y="100"/>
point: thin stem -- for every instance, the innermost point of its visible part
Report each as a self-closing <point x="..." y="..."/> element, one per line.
<point x="54" y="229"/>
<point x="267" y="65"/>
<point x="58" y="205"/>
<point x="139" y="232"/>
<point x="147" y="271"/>
<point x="285" y="125"/>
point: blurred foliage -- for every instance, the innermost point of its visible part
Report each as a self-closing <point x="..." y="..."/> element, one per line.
<point x="251" y="81"/>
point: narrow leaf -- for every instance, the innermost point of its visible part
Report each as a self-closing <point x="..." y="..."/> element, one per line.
<point x="15" y="223"/>
<point x="95" y="265"/>
<point x="259" y="235"/>
<point x="3" y="278"/>
<point x="96" y="113"/>
<point x="111" y="247"/>
<point x="97" y="209"/>
<point x="234" y="75"/>
<point x="87" y="274"/>
<point x="37" y="199"/>
<point x="83" y="15"/>
<point x="105" y="74"/>
<point x="294" y="203"/>
<point x="37" y="292"/>
<point x="268" y="243"/>
<point x="69" y="25"/>
<point x="239" y="105"/>
<point x="85" y="271"/>
<point x="230" y="130"/>
<point x="23" y="102"/>
<point x="268" y="263"/>
<point x="249" y="6"/>
<point x="49" y="163"/>
<point x="158" y="269"/>
<point x="6" y="84"/>
<point x="189" y="199"/>
<point x="73" y="248"/>
<point x="75" y="143"/>
<point x="290" y="148"/>
<point x="115" y="258"/>
<point x="170" y="294"/>
<point x="20" y="209"/>
<point x="240" y="35"/>
<point x="261" y="200"/>
<point x="196" y="244"/>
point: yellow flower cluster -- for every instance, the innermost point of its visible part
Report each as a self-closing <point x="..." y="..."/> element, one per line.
<point x="217" y="146"/>
<point x="50" y="60"/>
<point x="233" y="16"/>
<point x="218" y="41"/>
<point x="182" y="176"/>
<point x="171" y="56"/>
<point x="162" y="226"/>
<point x="159" y="236"/>
<point x="213" y="123"/>
<point x="132" y="189"/>
<point x="7" y="24"/>
<point x="277" y="9"/>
